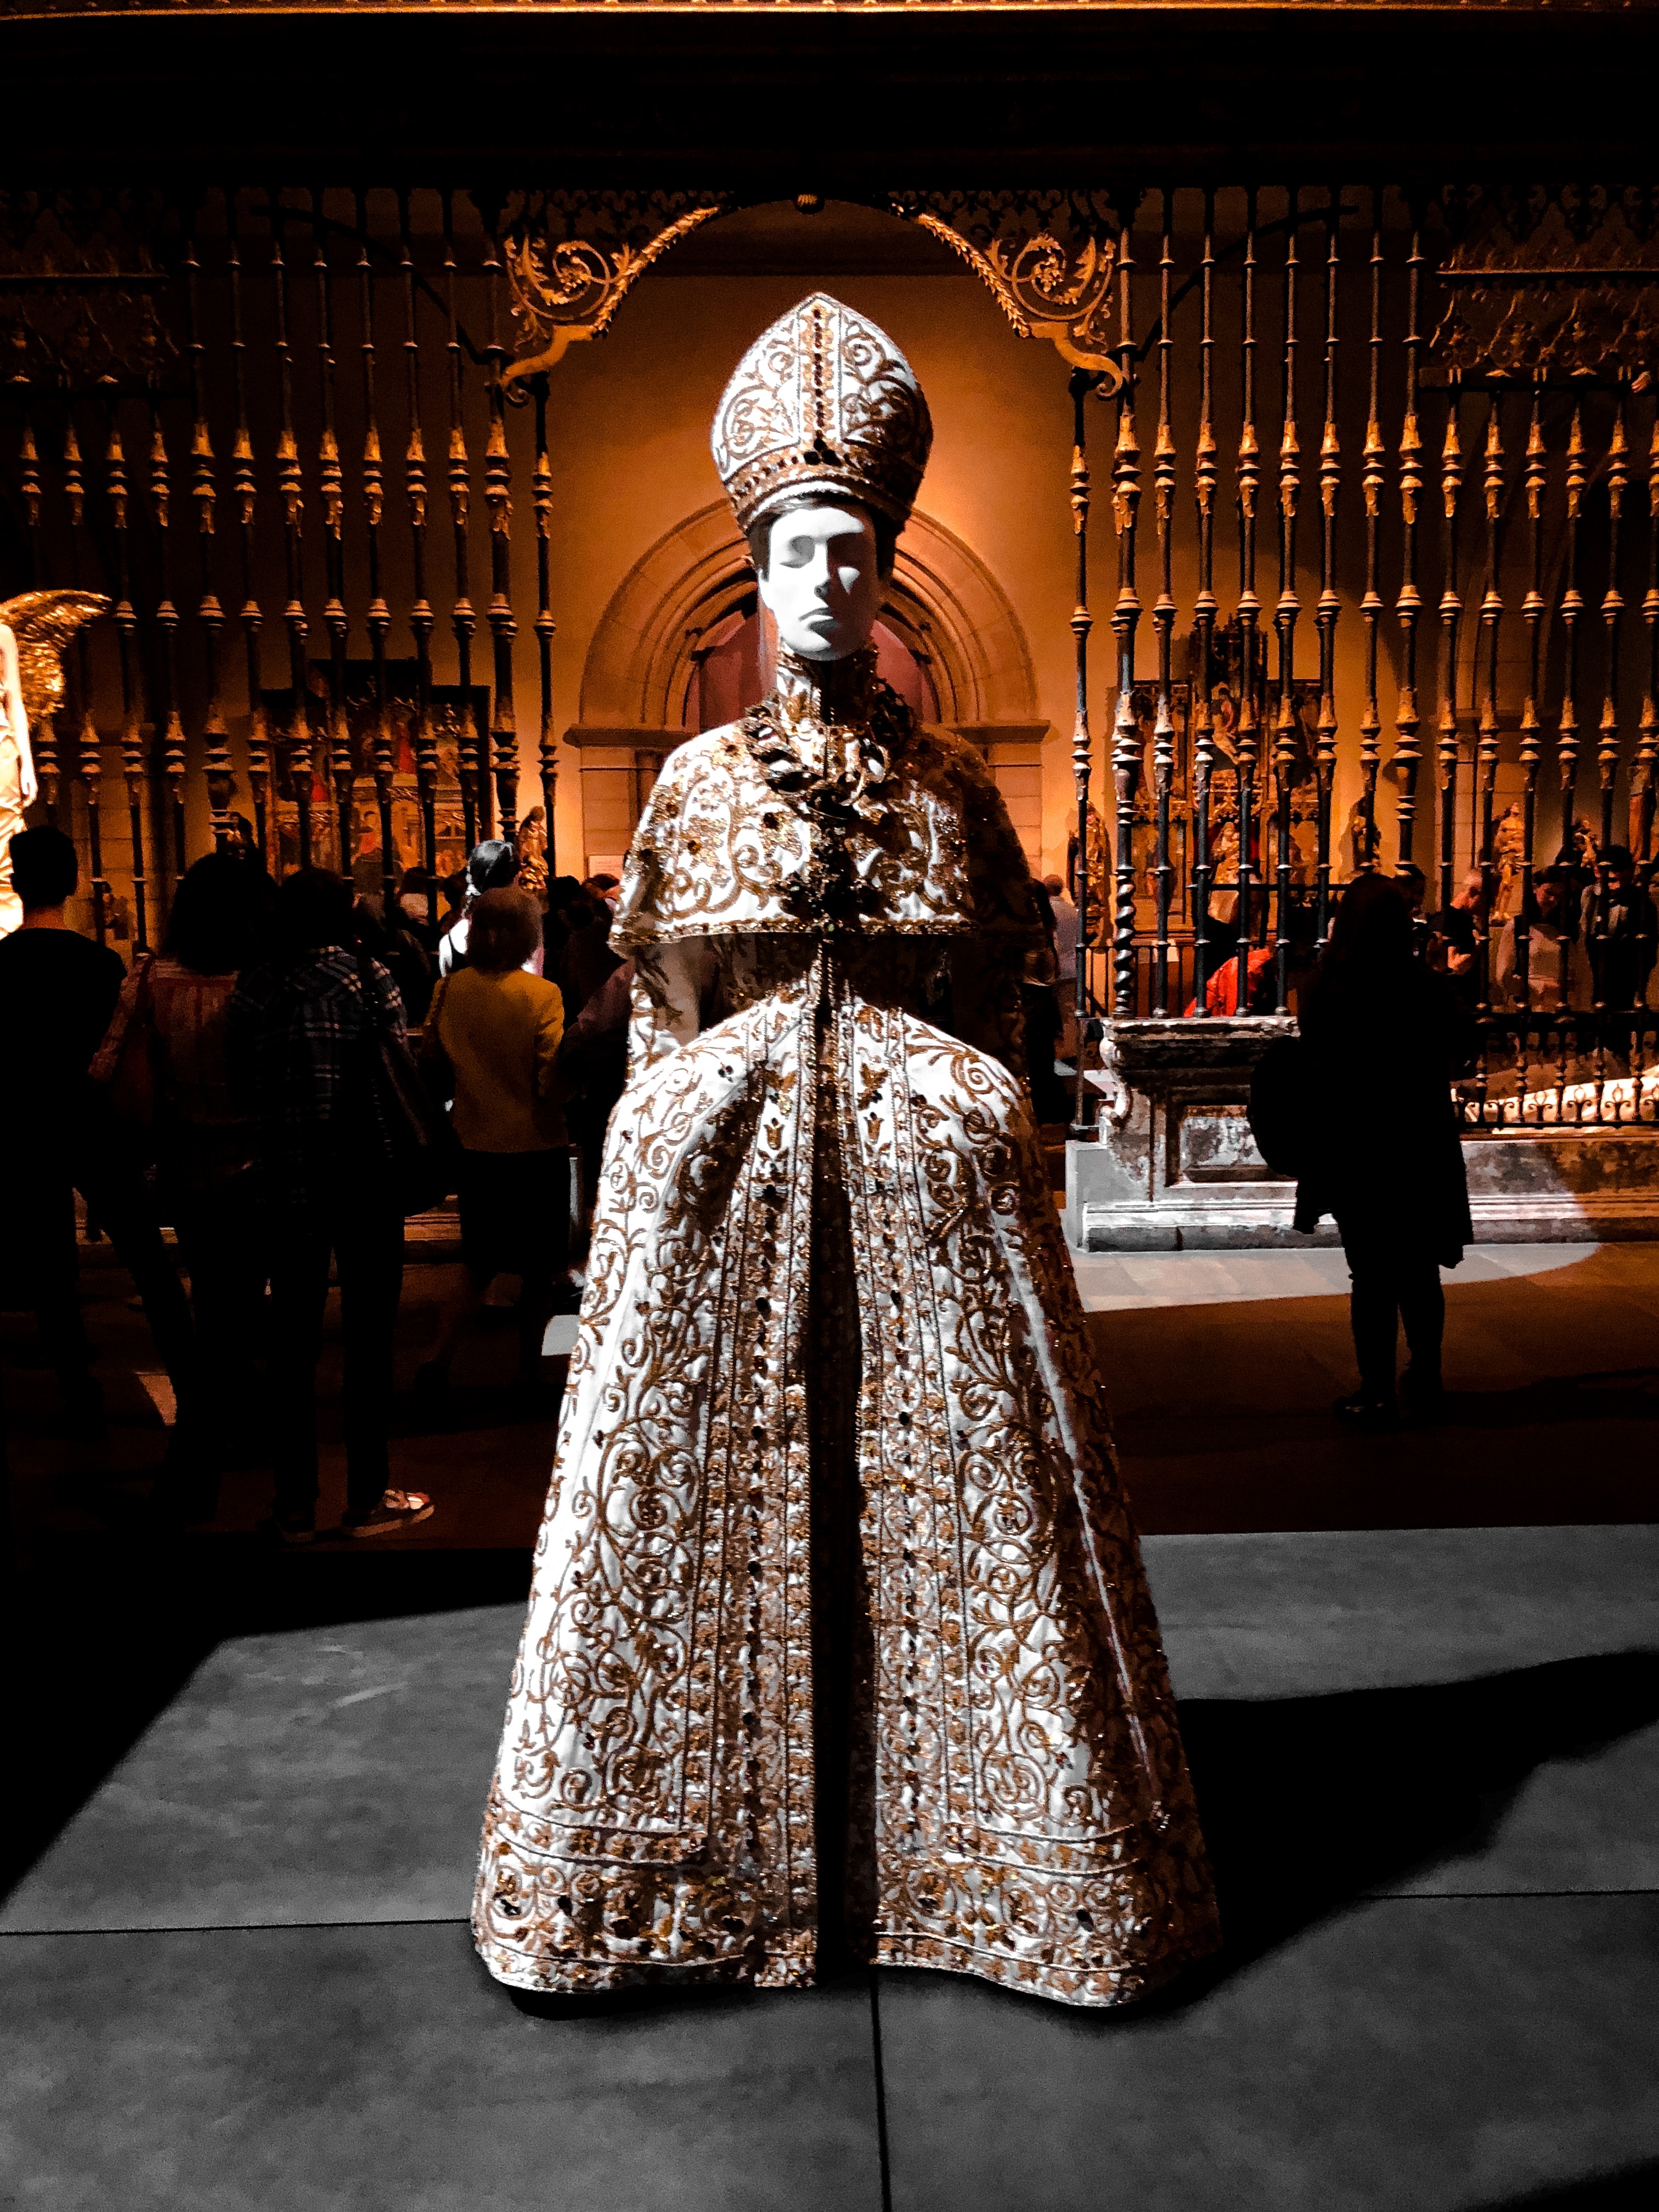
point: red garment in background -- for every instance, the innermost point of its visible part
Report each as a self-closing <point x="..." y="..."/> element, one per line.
<point x="1221" y="994"/>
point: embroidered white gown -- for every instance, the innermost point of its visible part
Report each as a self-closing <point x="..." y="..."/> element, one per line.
<point x="839" y="1640"/>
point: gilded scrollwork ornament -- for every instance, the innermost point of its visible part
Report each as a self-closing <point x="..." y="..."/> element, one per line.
<point x="1560" y="289"/>
<point x="79" y="292"/>
<point x="573" y="258"/>
<point x="1048" y="259"/>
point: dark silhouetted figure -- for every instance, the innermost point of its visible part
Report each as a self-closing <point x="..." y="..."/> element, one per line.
<point x="1385" y="1037"/>
<point x="57" y="992"/>
<point x="1040" y="1001"/>
<point x="399" y="951"/>
<point x="303" y="1045"/>
<point x="1624" y="942"/>
<point x="173" y="1018"/>
<point x="587" y="960"/>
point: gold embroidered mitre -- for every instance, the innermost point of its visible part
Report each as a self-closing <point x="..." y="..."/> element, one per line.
<point x="822" y="403"/>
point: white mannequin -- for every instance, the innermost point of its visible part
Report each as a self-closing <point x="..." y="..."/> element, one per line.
<point x="823" y="584"/>
<point x="18" y="787"/>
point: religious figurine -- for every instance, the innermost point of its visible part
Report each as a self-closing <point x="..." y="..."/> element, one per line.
<point x="1356" y="838"/>
<point x="1508" y="852"/>
<point x="839" y="1645"/>
<point x="1101" y="884"/>
<point x="35" y="630"/>
<point x="530" y="844"/>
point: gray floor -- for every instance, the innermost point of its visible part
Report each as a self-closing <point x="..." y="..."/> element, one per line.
<point x="1115" y="1282"/>
<point x="1429" y="1762"/>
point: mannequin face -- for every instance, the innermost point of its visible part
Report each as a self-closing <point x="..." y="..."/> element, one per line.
<point x="821" y="584"/>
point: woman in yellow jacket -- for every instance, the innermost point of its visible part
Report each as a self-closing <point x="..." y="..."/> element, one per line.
<point x="498" y="1029"/>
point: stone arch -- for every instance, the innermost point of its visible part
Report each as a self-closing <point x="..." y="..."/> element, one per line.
<point x="945" y="604"/>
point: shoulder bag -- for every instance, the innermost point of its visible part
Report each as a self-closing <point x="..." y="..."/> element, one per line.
<point x="420" y="1147"/>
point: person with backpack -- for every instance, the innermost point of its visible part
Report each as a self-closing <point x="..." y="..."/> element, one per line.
<point x="306" y="1031"/>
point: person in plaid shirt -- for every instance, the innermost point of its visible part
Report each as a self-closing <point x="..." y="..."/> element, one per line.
<point x="299" y="1041"/>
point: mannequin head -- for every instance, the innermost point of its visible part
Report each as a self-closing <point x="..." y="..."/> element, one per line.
<point x="823" y="570"/>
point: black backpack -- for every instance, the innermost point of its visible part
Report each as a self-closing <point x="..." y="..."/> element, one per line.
<point x="1281" y="1108"/>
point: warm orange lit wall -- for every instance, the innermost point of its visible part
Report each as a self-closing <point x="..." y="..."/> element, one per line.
<point x="630" y="419"/>
<point x="630" y="438"/>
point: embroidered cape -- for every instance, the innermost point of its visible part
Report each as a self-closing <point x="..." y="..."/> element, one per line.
<point x="838" y="1643"/>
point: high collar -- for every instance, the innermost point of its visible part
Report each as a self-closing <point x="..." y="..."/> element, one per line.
<point x="826" y="693"/>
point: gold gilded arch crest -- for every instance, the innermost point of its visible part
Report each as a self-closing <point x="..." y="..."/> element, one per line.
<point x="1047" y="259"/>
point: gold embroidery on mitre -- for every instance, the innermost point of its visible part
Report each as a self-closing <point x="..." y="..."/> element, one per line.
<point x="824" y="403"/>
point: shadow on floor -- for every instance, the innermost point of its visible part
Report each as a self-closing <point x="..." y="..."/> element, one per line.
<point x="651" y="2000"/>
<point x="109" y="1632"/>
<point x="1628" y="1394"/>
<point x="1636" y="2186"/>
<point x="1308" y="1802"/>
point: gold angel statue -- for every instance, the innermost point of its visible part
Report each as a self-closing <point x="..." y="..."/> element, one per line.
<point x="34" y="628"/>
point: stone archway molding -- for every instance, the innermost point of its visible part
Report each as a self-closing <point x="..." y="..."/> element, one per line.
<point x="945" y="603"/>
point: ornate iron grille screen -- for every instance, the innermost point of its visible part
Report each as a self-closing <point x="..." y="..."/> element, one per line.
<point x="1384" y="496"/>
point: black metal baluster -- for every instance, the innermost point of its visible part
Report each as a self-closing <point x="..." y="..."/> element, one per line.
<point x="1612" y="606"/>
<point x="246" y="489"/>
<point x="1371" y="607"/>
<point x="215" y="735"/>
<point x="90" y="764"/>
<point x="1286" y="611"/>
<point x="1572" y="607"/>
<point x="1451" y="610"/>
<point x="1330" y="603"/>
<point x="1083" y="382"/>
<point x="498" y="488"/>
<point x="1644" y="773"/>
<point x="1532" y="611"/>
<point x="290" y="485"/>
<point x="134" y="766"/>
<point x="420" y="614"/>
<point x="1408" y="606"/>
<point x="545" y="626"/>
<point x="1126" y="616"/>
<point x="167" y="621"/>
<point x="464" y="621"/>
<point x="379" y="615"/>
<point x="1163" y="614"/>
<point x="1249" y="609"/>
<point x="1492" y="614"/>
<point x="330" y="483"/>
<point x="1205" y="476"/>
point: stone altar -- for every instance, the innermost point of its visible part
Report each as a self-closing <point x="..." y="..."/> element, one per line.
<point x="1174" y="1167"/>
